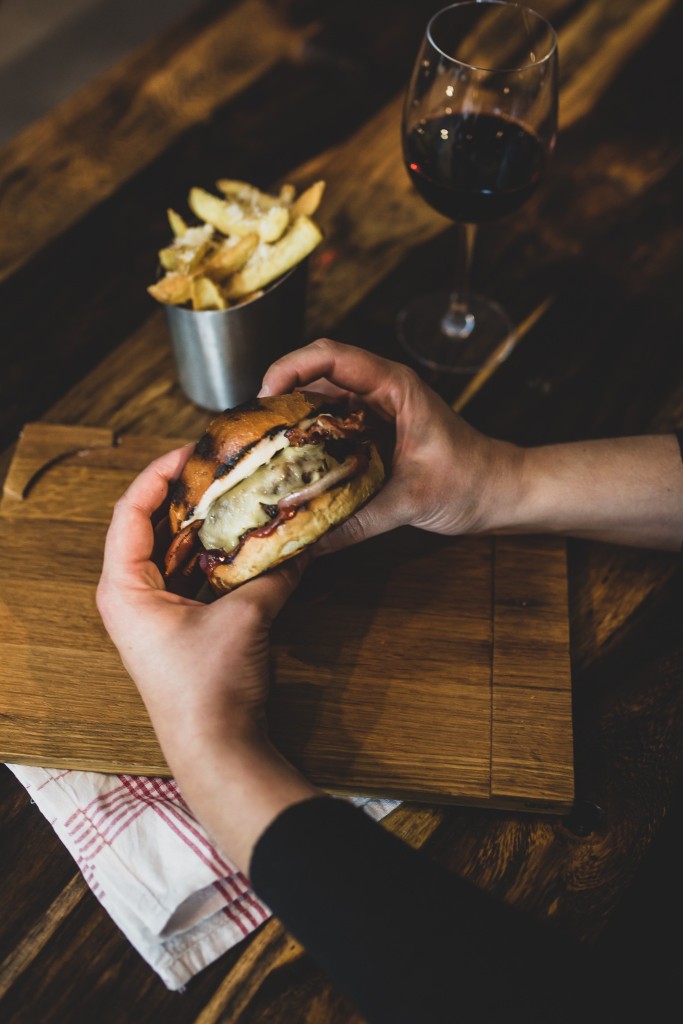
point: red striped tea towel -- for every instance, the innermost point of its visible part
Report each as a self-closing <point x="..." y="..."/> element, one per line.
<point x="177" y="900"/>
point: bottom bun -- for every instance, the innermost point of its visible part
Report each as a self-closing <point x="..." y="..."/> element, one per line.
<point x="311" y="522"/>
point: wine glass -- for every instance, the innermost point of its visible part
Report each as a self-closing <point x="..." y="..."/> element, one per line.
<point x="479" y="124"/>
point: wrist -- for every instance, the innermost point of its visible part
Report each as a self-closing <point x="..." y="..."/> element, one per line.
<point x="200" y="725"/>
<point x="236" y="786"/>
<point x="504" y="474"/>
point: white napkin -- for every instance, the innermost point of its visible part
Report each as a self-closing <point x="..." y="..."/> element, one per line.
<point x="178" y="901"/>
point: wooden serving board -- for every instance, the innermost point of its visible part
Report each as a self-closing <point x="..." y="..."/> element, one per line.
<point x="413" y="666"/>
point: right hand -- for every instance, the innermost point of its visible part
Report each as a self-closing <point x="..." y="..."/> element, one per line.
<point x="446" y="476"/>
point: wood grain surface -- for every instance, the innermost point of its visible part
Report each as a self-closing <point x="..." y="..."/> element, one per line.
<point x="592" y="266"/>
<point x="421" y="668"/>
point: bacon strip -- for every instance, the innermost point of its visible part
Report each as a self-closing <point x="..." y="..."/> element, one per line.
<point x="181" y="547"/>
<point x="326" y="428"/>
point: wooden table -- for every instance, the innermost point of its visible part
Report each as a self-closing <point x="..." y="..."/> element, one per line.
<point x="590" y="272"/>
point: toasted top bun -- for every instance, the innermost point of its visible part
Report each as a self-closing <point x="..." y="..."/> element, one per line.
<point x="235" y="446"/>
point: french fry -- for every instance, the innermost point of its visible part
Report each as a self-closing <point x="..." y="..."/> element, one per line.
<point x="184" y="258"/>
<point x="169" y="258"/>
<point x="233" y="186"/>
<point x="178" y="225"/>
<point x="173" y="289"/>
<point x="230" y="259"/>
<point x="206" y="294"/>
<point x="247" y="195"/>
<point x="244" y="241"/>
<point x="177" y="288"/>
<point x="232" y="218"/>
<point x="287" y="194"/>
<point x="309" y="201"/>
<point x="301" y="238"/>
<point x="250" y="297"/>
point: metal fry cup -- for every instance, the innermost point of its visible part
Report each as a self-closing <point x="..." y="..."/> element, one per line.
<point x="221" y="355"/>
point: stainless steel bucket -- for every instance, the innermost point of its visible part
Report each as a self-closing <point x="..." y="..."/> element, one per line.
<point x="222" y="355"/>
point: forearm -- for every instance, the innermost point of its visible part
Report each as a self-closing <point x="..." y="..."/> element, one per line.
<point x="235" y="785"/>
<point x="624" y="491"/>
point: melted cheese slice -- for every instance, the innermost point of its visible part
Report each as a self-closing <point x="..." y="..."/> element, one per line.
<point x="244" y="506"/>
<point x="258" y="456"/>
<point x="262" y="452"/>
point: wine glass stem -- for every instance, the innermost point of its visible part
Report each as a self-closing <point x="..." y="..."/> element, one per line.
<point x="458" y="321"/>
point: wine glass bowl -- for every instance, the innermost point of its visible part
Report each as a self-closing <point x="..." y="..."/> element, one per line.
<point x="479" y="125"/>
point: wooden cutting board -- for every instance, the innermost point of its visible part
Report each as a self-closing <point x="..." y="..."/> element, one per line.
<point x="415" y="666"/>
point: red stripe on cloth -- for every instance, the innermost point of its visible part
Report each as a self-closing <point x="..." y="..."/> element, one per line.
<point x="187" y="835"/>
<point x="125" y="808"/>
<point x="231" y="882"/>
<point x="98" y="801"/>
<point x="241" y="891"/>
<point x="129" y="821"/>
<point x="184" y="815"/>
<point x="258" y="908"/>
<point x="53" y="778"/>
<point x="243" y="909"/>
<point x="101" y="799"/>
<point x="188" y="832"/>
<point x="88" y="872"/>
<point x="119" y="804"/>
<point x="229" y="912"/>
<point x="132" y="812"/>
<point x="233" y="885"/>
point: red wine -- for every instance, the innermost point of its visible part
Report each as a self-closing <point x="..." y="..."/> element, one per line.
<point x="474" y="167"/>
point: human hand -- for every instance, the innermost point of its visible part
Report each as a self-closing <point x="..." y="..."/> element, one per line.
<point x="202" y="665"/>
<point x="446" y="476"/>
<point x="202" y="670"/>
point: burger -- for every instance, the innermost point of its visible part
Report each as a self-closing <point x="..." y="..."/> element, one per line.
<point x="267" y="479"/>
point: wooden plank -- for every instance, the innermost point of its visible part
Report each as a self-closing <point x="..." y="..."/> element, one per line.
<point x="37" y="938"/>
<point x="415" y="677"/>
<point x="41" y="446"/>
<point x="531" y="750"/>
<point x="382" y="659"/>
<point x="595" y="45"/>
<point x="89" y="464"/>
<point x="148" y="100"/>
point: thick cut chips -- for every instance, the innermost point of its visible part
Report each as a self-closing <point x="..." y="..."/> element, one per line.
<point x="272" y="261"/>
<point x="246" y="240"/>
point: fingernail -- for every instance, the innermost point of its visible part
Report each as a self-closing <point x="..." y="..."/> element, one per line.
<point x="264" y="392"/>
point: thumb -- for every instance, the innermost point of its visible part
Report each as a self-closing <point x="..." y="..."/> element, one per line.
<point x="271" y="590"/>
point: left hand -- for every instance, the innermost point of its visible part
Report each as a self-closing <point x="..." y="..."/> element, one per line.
<point x="202" y="669"/>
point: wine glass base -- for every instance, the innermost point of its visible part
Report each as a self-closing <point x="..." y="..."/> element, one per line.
<point x="488" y="341"/>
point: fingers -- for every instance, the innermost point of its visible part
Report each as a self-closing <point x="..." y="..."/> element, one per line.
<point x="268" y="594"/>
<point x="353" y="531"/>
<point x="130" y="537"/>
<point x="383" y="513"/>
<point x="325" y="387"/>
<point x="379" y="382"/>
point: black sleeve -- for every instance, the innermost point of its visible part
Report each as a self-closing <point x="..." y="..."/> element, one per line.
<point x="406" y="940"/>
